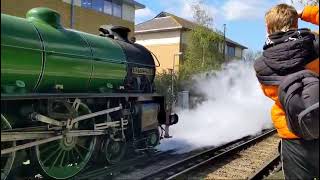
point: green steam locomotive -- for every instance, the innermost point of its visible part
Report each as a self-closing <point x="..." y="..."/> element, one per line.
<point x="69" y="97"/>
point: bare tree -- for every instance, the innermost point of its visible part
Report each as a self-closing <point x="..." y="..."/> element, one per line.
<point x="200" y="14"/>
<point x="250" y="55"/>
<point x="307" y="2"/>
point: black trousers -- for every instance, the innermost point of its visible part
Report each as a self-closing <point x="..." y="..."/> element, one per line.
<point x="300" y="159"/>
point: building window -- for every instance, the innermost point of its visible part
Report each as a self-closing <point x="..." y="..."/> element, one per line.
<point x="117" y="9"/>
<point x="107" y="7"/>
<point x="231" y="51"/>
<point x="112" y="7"/>
<point x="86" y="3"/>
<point x="97" y="5"/>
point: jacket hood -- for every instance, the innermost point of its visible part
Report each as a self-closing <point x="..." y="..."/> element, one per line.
<point x="287" y="52"/>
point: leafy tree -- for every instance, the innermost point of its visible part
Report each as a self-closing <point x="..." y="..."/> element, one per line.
<point x="203" y="53"/>
<point x="164" y="82"/>
<point x="204" y="45"/>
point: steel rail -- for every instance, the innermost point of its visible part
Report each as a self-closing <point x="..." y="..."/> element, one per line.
<point x="204" y="158"/>
<point x="264" y="170"/>
<point x="110" y="171"/>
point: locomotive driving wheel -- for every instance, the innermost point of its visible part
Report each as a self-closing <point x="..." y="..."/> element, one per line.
<point x="66" y="157"/>
<point x="6" y="159"/>
<point x="114" y="150"/>
<point x="153" y="138"/>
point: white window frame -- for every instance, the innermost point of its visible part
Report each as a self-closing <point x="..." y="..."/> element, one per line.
<point x="113" y="2"/>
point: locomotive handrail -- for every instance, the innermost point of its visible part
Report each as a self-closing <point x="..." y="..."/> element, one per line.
<point x="82" y="56"/>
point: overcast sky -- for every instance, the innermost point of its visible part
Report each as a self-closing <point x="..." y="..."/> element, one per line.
<point x="244" y="18"/>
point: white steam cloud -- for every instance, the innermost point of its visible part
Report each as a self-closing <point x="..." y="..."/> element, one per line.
<point x="235" y="107"/>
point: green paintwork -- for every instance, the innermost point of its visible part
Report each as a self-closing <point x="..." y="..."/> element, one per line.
<point x="109" y="62"/>
<point x="67" y="59"/>
<point x="20" y="54"/>
<point x="73" y="61"/>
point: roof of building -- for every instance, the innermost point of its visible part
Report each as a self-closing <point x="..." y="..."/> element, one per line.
<point x="136" y="4"/>
<point x="157" y="24"/>
<point x="183" y="22"/>
<point x="163" y="21"/>
<point x="235" y="43"/>
<point x="166" y="21"/>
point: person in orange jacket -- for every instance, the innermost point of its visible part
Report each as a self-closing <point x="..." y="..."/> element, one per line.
<point x="289" y="49"/>
<point x="310" y="14"/>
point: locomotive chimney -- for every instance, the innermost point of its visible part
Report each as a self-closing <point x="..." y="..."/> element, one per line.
<point x="44" y="15"/>
<point x="119" y="32"/>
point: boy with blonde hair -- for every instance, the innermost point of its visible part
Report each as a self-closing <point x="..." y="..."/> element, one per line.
<point x="289" y="50"/>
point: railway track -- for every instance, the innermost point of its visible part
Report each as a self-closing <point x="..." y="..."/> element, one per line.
<point x="189" y="167"/>
<point x="249" y="163"/>
<point x="99" y="172"/>
<point x="180" y="167"/>
<point x="125" y="166"/>
<point x="270" y="166"/>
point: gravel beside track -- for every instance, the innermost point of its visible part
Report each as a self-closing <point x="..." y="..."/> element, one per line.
<point x="242" y="164"/>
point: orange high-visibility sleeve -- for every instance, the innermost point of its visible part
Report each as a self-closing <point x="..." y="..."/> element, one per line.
<point x="278" y="117"/>
<point x="311" y="14"/>
<point x="270" y="91"/>
<point x="313" y="66"/>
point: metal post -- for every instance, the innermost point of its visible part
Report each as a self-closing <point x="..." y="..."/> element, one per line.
<point x="72" y="14"/>
<point x="173" y="73"/>
<point x="224" y="42"/>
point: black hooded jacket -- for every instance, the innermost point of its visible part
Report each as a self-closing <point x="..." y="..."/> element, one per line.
<point x="285" y="53"/>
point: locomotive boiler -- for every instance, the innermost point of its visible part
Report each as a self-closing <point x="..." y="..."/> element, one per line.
<point x="69" y="97"/>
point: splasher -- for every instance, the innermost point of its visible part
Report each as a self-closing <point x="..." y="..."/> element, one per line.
<point x="235" y="107"/>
